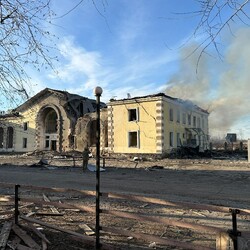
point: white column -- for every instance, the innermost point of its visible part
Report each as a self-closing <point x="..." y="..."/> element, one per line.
<point x="248" y="148"/>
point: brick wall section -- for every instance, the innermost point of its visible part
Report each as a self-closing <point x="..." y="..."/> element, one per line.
<point x="159" y="127"/>
<point x="110" y="129"/>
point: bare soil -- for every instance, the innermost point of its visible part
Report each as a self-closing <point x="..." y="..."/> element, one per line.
<point x="201" y="181"/>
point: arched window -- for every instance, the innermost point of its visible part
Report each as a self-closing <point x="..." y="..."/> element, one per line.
<point x="51" y="122"/>
<point x="1" y="137"/>
<point x="10" y="134"/>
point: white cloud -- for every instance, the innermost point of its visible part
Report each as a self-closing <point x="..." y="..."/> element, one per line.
<point x="80" y="71"/>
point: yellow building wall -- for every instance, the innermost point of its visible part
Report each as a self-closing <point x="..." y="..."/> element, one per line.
<point x="179" y="127"/>
<point x="146" y="125"/>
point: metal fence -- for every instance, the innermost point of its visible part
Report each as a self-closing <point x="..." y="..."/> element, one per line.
<point x="18" y="199"/>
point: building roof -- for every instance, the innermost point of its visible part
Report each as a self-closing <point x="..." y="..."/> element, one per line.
<point x="47" y="91"/>
<point x="187" y="103"/>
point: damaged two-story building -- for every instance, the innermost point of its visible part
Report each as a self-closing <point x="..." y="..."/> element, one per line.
<point x="60" y="121"/>
<point x="48" y="121"/>
<point x="155" y="124"/>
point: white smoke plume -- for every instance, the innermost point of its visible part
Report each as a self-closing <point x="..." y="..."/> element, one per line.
<point x="223" y="88"/>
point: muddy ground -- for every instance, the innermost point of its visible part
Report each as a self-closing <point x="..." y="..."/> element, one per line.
<point x="202" y="181"/>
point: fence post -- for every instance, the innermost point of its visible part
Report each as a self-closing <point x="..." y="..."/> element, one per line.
<point x="16" y="203"/>
<point x="234" y="233"/>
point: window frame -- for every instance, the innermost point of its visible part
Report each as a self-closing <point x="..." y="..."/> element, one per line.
<point x="25" y="142"/>
<point x="171" y="139"/>
<point x="130" y="117"/>
<point x="137" y="139"/>
<point x="25" y="126"/>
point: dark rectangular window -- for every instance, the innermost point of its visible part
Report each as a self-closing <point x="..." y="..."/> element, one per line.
<point x="133" y="115"/>
<point x="25" y="141"/>
<point x="133" y="140"/>
<point x="25" y="126"/>
<point x="171" y="139"/>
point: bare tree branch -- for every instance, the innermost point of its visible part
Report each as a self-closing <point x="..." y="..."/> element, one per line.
<point x="24" y="41"/>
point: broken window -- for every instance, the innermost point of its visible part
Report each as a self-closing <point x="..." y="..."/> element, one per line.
<point x="51" y="122"/>
<point x="171" y="139"/>
<point x="1" y="137"/>
<point x="25" y="126"/>
<point x="25" y="142"/>
<point x="184" y="118"/>
<point x="178" y="116"/>
<point x="133" y="115"/>
<point x="133" y="139"/>
<point x="171" y="115"/>
<point x="10" y="135"/>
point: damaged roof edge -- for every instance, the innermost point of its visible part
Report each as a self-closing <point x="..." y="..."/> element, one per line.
<point x="48" y="90"/>
<point x="181" y="101"/>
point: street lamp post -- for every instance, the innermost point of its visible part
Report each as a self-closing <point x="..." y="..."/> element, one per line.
<point x="98" y="93"/>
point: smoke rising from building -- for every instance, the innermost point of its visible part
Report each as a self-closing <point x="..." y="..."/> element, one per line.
<point x="221" y="87"/>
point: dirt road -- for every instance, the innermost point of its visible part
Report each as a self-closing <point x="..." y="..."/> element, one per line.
<point x="221" y="183"/>
<point x="201" y="181"/>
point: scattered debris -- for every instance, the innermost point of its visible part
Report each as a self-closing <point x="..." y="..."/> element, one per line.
<point x="144" y="205"/>
<point x="43" y="162"/>
<point x="87" y="229"/>
<point x="52" y="208"/>
<point x="156" y="167"/>
<point x="15" y="237"/>
<point x="92" y="168"/>
<point x="25" y="237"/>
<point x="5" y="232"/>
<point x="152" y="245"/>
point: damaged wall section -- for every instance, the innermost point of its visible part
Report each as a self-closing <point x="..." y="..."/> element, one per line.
<point x="85" y="131"/>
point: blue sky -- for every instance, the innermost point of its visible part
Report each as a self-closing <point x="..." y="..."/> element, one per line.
<point x="139" y="47"/>
<point x="131" y="47"/>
